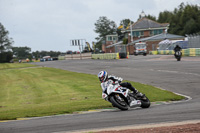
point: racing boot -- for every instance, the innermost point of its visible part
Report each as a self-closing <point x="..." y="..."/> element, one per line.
<point x="136" y="92"/>
<point x="139" y="94"/>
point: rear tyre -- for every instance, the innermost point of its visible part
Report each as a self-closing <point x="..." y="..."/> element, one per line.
<point x="118" y="102"/>
<point x="145" y="102"/>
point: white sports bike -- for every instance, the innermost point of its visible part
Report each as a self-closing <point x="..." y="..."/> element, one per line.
<point x="123" y="99"/>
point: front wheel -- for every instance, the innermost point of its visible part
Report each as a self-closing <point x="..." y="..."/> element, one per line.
<point x="145" y="102"/>
<point x="119" y="102"/>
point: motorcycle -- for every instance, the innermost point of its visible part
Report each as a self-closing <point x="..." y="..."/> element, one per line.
<point x="178" y="55"/>
<point x="123" y="99"/>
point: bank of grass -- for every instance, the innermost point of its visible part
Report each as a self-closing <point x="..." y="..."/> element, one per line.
<point x="15" y="65"/>
<point x="40" y="91"/>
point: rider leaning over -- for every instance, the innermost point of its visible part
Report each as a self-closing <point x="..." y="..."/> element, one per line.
<point x="106" y="79"/>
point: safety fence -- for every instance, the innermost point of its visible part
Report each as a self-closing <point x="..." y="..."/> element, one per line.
<point x="194" y="41"/>
<point x="185" y="52"/>
<point x="106" y="56"/>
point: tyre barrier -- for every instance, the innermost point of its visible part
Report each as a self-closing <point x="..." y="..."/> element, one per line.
<point x="185" y="52"/>
<point x="96" y="56"/>
<point x="106" y="56"/>
<point x="61" y="57"/>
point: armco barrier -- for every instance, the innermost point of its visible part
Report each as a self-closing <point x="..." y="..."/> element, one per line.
<point x="106" y="56"/>
<point x="185" y="52"/>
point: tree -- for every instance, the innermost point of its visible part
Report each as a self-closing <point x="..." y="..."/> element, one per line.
<point x="22" y="52"/>
<point x="104" y="27"/>
<point x="5" y="45"/>
<point x="183" y="20"/>
<point x="151" y="17"/>
<point x="40" y="54"/>
<point x="190" y="27"/>
<point x="36" y="54"/>
<point x="125" y="23"/>
<point x="164" y="17"/>
<point x="54" y="53"/>
<point x="5" y="41"/>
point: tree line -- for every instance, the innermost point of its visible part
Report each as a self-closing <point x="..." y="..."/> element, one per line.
<point x="25" y="52"/>
<point x="185" y="19"/>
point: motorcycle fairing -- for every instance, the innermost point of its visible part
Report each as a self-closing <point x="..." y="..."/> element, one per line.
<point x="117" y="89"/>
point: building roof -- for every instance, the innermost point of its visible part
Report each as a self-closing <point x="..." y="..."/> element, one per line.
<point x="158" y="37"/>
<point x="146" y="23"/>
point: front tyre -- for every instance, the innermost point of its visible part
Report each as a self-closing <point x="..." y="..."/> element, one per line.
<point x="118" y="102"/>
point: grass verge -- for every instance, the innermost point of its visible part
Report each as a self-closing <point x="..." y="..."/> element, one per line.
<point x="41" y="91"/>
<point x="15" y="65"/>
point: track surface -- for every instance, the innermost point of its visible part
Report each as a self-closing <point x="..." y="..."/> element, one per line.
<point x="160" y="71"/>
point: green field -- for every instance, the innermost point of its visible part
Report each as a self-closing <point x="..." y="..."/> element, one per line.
<point x="29" y="91"/>
<point x="15" y="65"/>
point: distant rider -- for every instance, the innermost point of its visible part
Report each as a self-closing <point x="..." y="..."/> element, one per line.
<point x="177" y="48"/>
<point x="105" y="79"/>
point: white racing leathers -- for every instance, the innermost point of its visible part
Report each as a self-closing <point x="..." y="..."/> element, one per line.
<point x="112" y="88"/>
<point x="111" y="80"/>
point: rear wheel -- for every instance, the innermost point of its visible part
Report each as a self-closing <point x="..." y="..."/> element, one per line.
<point x="145" y="102"/>
<point x="119" y="102"/>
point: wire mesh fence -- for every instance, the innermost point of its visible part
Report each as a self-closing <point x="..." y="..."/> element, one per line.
<point x="193" y="41"/>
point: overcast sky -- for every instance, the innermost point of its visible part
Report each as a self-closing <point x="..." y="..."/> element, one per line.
<point x="51" y="24"/>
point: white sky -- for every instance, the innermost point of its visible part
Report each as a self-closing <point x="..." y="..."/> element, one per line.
<point x="51" y="24"/>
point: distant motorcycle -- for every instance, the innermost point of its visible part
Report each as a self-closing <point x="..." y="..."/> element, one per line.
<point x="123" y="99"/>
<point x="178" y="55"/>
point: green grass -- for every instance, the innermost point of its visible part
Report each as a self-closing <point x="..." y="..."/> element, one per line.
<point x="14" y="65"/>
<point x="41" y="91"/>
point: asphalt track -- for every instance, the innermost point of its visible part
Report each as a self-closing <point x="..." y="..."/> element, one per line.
<point x="161" y="71"/>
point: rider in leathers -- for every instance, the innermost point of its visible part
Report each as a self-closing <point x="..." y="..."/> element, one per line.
<point x="106" y="79"/>
<point x="177" y="48"/>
